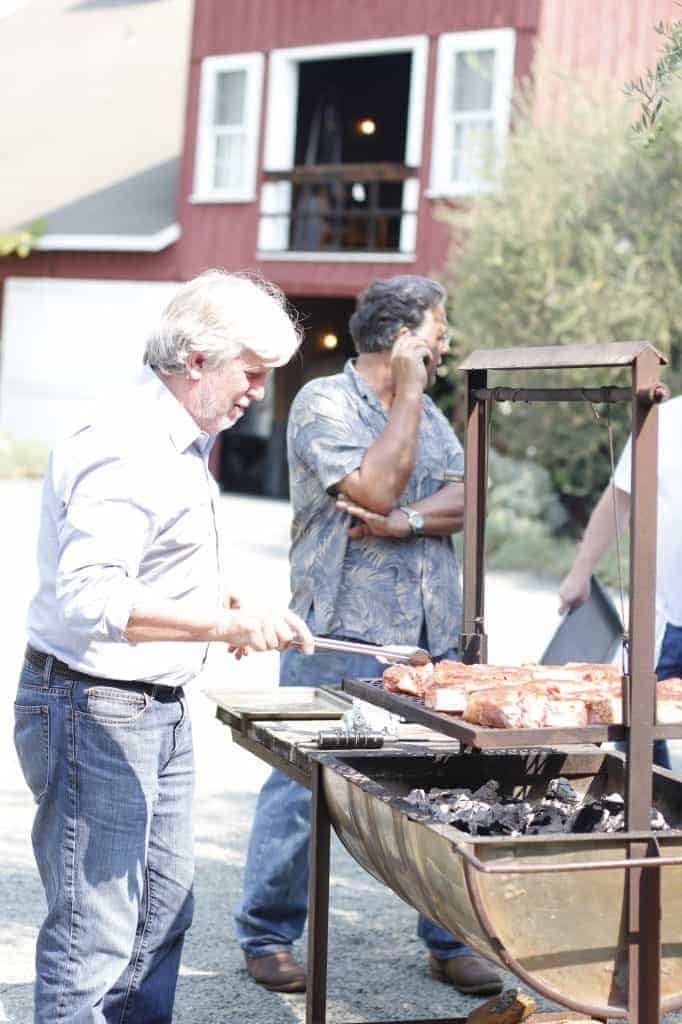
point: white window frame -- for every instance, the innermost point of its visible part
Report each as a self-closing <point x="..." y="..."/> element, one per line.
<point x="502" y="41"/>
<point x="204" y="190"/>
<point x="280" y="142"/>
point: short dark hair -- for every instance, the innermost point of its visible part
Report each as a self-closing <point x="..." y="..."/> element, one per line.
<point x="389" y="304"/>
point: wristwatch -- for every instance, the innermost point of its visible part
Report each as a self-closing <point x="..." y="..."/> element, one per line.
<point x="415" y="519"/>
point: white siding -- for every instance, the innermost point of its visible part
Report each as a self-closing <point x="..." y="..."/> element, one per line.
<point x="66" y="343"/>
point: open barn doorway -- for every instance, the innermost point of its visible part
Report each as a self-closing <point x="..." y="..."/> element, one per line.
<point x="351" y="116"/>
<point x="252" y="456"/>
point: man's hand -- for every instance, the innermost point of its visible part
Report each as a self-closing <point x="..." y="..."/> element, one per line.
<point x="574" y="591"/>
<point x="394" y="524"/>
<point x="244" y="629"/>
<point x="409" y="359"/>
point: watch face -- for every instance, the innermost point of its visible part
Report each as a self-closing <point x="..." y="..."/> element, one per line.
<point x="417" y="520"/>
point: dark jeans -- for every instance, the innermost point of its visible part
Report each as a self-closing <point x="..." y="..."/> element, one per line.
<point x="274" y="904"/>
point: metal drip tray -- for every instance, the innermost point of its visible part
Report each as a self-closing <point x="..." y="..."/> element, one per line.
<point x="556" y="912"/>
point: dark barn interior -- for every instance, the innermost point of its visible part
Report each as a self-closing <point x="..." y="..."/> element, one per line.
<point x="252" y="458"/>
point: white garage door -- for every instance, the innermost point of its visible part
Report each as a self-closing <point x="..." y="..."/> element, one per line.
<point x="66" y="343"/>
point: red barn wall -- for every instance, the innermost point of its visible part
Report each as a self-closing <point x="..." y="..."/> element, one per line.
<point x="615" y="40"/>
<point x="226" y="234"/>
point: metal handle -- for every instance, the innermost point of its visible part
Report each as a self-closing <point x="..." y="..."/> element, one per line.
<point x="396" y="654"/>
<point x="516" y="868"/>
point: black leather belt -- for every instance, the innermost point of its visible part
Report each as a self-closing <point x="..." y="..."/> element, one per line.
<point x="38" y="659"/>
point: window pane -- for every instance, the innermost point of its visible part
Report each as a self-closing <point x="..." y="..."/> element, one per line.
<point x="229" y="98"/>
<point x="474" y="77"/>
<point x="228" y="167"/>
<point x="473" y="151"/>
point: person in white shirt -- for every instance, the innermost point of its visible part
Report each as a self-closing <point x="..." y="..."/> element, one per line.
<point x="130" y="596"/>
<point x="601" y="531"/>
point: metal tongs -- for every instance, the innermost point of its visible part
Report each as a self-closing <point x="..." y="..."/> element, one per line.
<point x="392" y="654"/>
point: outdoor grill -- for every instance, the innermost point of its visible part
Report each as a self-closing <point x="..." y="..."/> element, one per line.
<point x="524" y="902"/>
<point x="592" y="921"/>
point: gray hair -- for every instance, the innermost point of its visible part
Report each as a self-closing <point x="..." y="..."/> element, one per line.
<point x="389" y="304"/>
<point x="219" y="315"/>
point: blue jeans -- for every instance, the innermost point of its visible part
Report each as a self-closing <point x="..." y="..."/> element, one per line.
<point x="274" y="906"/>
<point x="111" y="770"/>
<point x="669" y="666"/>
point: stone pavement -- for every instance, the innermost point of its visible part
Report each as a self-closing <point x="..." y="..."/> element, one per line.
<point x="377" y="964"/>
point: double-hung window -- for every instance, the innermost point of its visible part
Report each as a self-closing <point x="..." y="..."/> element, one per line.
<point x="228" y="127"/>
<point x="473" y="94"/>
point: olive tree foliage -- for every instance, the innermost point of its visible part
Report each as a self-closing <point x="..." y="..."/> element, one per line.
<point x="653" y="87"/>
<point x="580" y="241"/>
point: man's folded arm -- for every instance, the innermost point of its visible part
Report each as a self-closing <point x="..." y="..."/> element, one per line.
<point x="443" y="511"/>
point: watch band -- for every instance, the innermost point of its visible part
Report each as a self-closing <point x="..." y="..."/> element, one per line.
<point x="414" y="519"/>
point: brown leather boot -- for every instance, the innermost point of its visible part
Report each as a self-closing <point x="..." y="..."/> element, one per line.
<point x="278" y="972"/>
<point x="469" y="974"/>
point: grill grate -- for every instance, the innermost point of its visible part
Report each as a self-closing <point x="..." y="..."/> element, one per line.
<point x="413" y="709"/>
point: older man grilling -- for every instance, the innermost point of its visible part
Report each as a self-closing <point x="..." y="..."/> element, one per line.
<point x="130" y="595"/>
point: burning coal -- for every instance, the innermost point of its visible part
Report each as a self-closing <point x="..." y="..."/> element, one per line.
<point x="485" y="812"/>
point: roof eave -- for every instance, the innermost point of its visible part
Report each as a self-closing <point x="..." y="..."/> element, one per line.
<point x="109" y="243"/>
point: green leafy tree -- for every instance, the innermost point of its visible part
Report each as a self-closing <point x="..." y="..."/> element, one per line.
<point x="581" y="241"/>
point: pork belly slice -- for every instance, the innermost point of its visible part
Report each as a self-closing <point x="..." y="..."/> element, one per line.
<point x="563" y="713"/>
<point x="595" y="673"/>
<point x="669" y="702"/>
<point x="669" y="689"/>
<point x="392" y="676"/>
<point x="506" y="708"/>
<point x="455" y="674"/>
<point x="534" y="707"/>
<point x="407" y="678"/>
<point x="449" y="699"/>
<point x="575" y="673"/>
<point x="607" y="708"/>
<point x="604" y="709"/>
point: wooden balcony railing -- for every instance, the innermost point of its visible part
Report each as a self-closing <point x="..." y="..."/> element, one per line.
<point x="344" y="208"/>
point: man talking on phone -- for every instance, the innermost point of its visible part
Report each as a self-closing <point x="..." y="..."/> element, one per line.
<point x="375" y="473"/>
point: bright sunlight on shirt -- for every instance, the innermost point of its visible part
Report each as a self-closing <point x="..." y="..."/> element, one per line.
<point x="128" y="513"/>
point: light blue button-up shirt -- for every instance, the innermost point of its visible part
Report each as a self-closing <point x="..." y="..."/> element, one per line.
<point x="128" y="514"/>
<point x="374" y="588"/>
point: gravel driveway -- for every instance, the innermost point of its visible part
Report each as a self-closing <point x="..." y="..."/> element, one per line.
<point x="377" y="964"/>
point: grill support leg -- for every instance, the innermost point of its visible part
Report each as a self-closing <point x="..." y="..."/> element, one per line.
<point x="318" y="902"/>
<point x="644" y="975"/>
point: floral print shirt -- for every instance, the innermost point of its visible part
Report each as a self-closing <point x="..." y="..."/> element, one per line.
<point x="376" y="589"/>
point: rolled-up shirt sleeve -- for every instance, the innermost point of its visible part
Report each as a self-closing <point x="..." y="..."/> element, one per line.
<point x="103" y="535"/>
<point x="454" y="469"/>
<point x="328" y="435"/>
<point x="449" y="446"/>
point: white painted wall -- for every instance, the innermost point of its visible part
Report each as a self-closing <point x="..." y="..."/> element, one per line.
<point x="67" y="343"/>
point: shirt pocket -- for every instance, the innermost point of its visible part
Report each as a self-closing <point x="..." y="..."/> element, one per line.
<point x="32" y="742"/>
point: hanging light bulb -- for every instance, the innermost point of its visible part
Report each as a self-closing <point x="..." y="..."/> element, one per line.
<point x="329" y="341"/>
<point x="366" y="126"/>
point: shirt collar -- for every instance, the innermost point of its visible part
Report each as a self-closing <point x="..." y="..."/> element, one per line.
<point x="361" y="386"/>
<point x="182" y="428"/>
<point x="365" y="390"/>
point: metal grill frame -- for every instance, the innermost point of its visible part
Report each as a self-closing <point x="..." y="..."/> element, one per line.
<point x="639" y="688"/>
